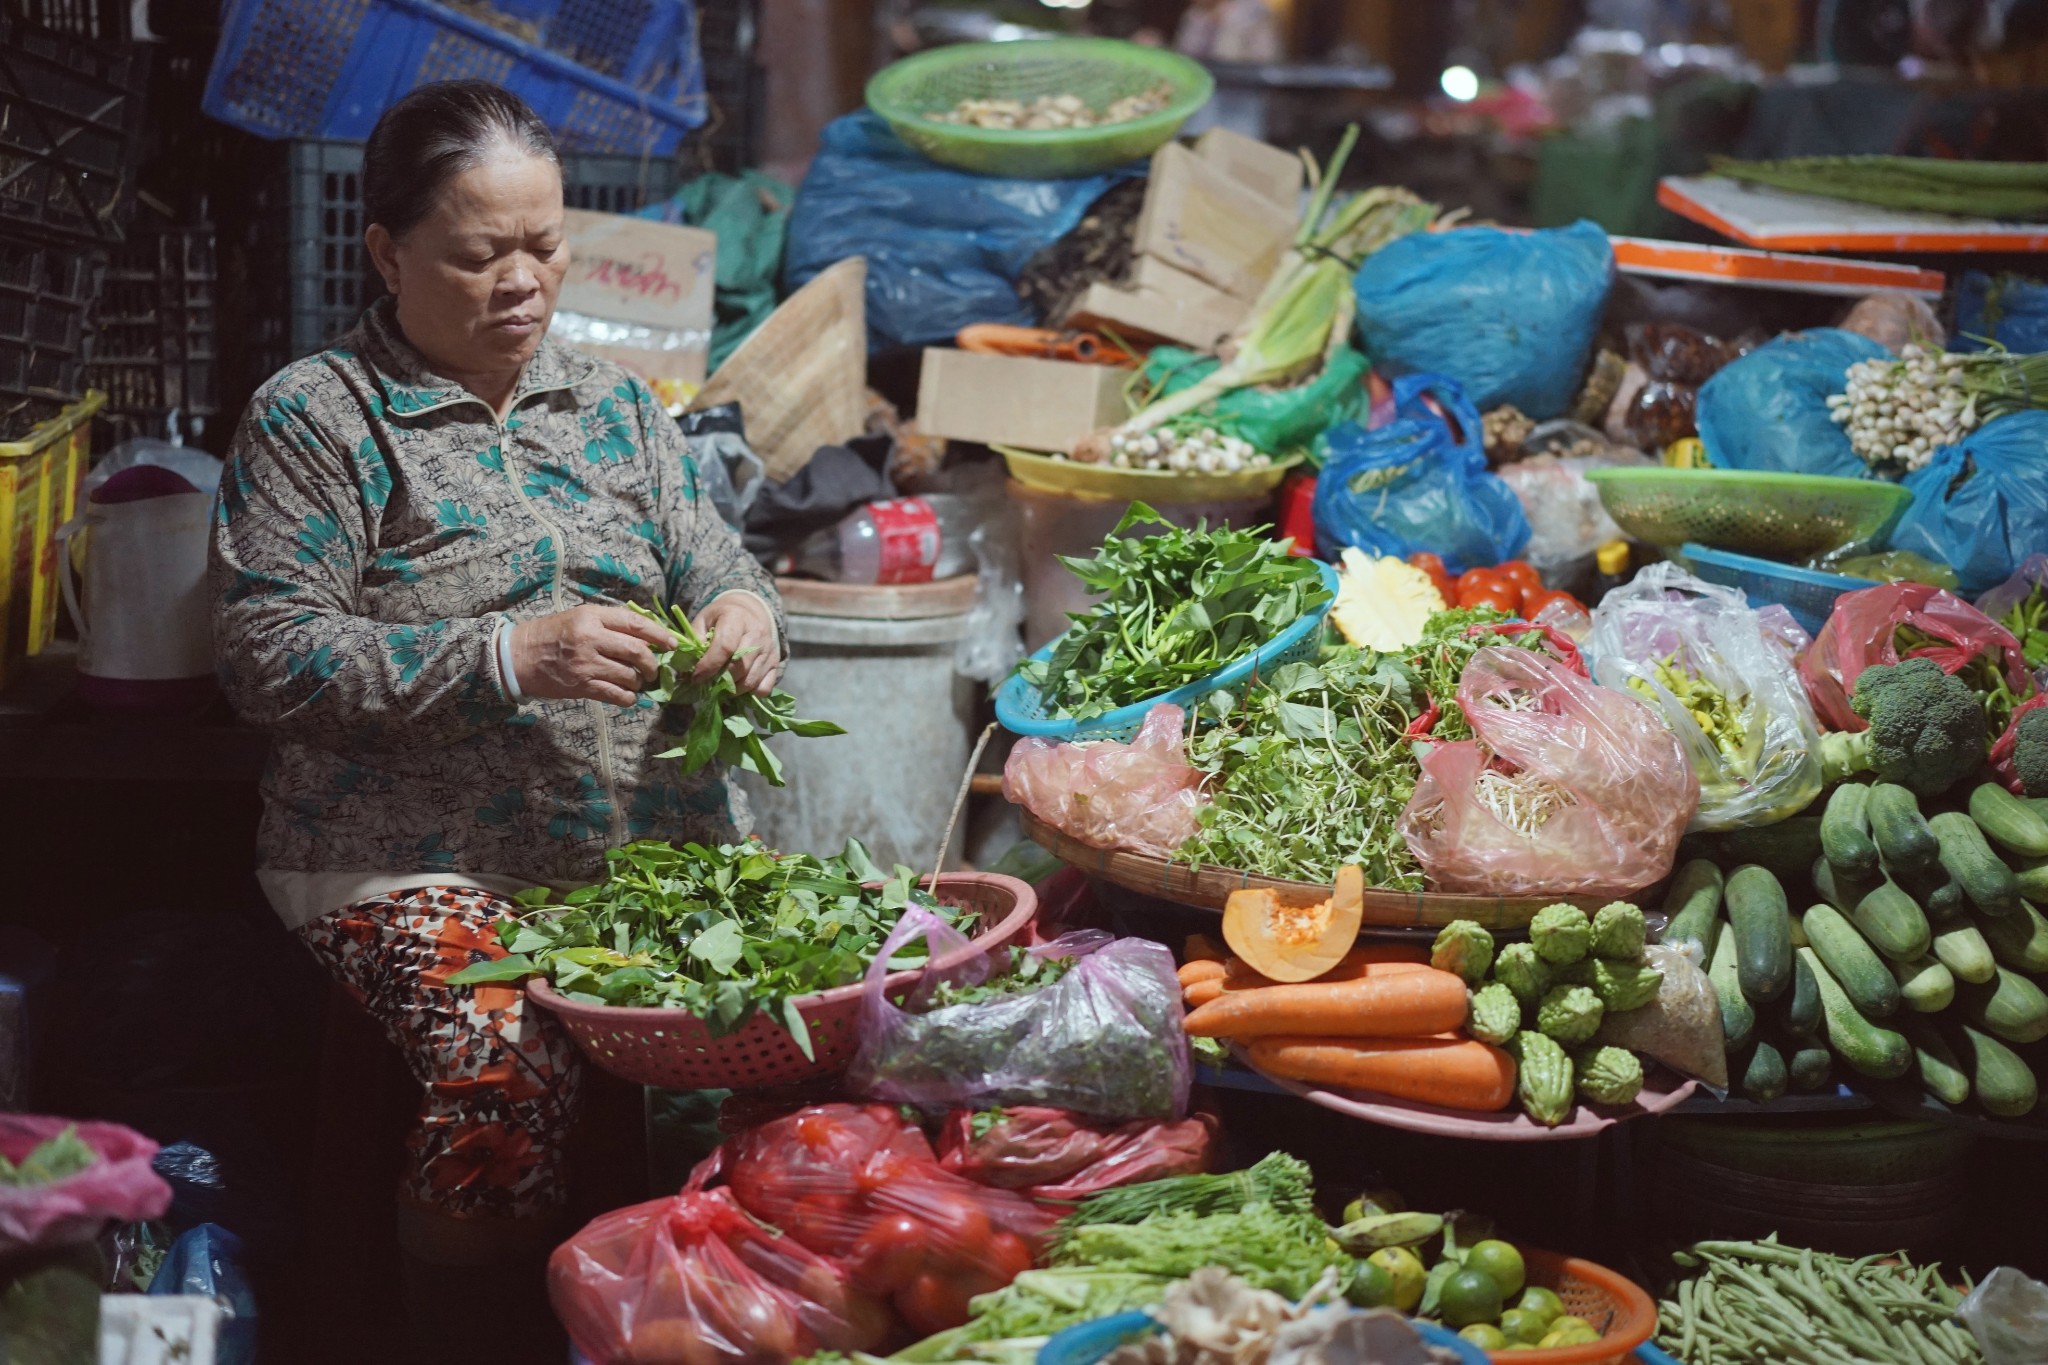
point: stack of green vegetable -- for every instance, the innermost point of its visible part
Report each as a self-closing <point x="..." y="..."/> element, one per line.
<point x="1974" y="189"/>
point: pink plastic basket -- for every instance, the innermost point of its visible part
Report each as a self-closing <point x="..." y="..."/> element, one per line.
<point x="675" y="1049"/>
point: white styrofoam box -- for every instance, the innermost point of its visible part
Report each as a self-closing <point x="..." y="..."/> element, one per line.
<point x="158" y="1329"/>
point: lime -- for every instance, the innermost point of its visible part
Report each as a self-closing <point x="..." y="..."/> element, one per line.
<point x="1572" y="1324"/>
<point x="1485" y="1336"/>
<point x="1406" y="1273"/>
<point x="1544" y="1303"/>
<point x="1568" y="1336"/>
<point x="1371" y="1285"/>
<point x="1524" y="1326"/>
<point x="1469" y="1296"/>
<point x="1502" y="1262"/>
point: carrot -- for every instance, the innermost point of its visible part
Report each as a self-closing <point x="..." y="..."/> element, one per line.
<point x="1405" y="1005"/>
<point x="1204" y="970"/>
<point x="1455" y="1073"/>
<point x="1198" y="993"/>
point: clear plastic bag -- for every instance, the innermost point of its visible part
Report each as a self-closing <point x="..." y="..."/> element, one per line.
<point x="2008" y="1315"/>
<point x="1060" y="1156"/>
<point x="1570" y="788"/>
<point x="118" y="1187"/>
<point x="693" y="1278"/>
<point x="1103" y="1038"/>
<point x="1682" y="1026"/>
<point x="1141" y="797"/>
<point x="1667" y="629"/>
<point x="1566" y="517"/>
<point x="1863" y="630"/>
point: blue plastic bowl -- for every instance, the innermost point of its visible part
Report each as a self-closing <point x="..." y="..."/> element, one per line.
<point x="1091" y="1341"/>
<point x="1808" y="594"/>
<point x="1022" y="710"/>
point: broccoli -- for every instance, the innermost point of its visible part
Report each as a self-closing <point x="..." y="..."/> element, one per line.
<point x="2030" y="751"/>
<point x="1926" y="729"/>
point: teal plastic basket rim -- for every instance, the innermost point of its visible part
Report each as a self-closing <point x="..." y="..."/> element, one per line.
<point x="1200" y="86"/>
<point x="1014" y="688"/>
<point x="1089" y="1342"/>
<point x="1771" y="568"/>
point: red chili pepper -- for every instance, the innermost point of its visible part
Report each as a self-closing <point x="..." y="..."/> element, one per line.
<point x="1567" y="652"/>
<point x="1420" y="727"/>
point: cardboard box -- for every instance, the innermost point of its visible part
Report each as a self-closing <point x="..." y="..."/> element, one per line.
<point x="1259" y="166"/>
<point x="639" y="293"/>
<point x="1040" y="405"/>
<point x="1161" y="304"/>
<point x="1201" y="218"/>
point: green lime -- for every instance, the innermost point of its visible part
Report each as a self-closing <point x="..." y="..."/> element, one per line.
<point x="1406" y="1272"/>
<point x="1572" y="1324"/>
<point x="1372" y="1286"/>
<point x="1544" y="1303"/>
<point x="1501" y="1261"/>
<point x="1469" y="1296"/>
<point x="1485" y="1336"/>
<point x="1568" y="1336"/>
<point x="1524" y="1326"/>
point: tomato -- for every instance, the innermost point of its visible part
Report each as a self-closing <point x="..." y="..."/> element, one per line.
<point x="891" y="1253"/>
<point x="1006" y="1256"/>
<point x="1521" y="573"/>
<point x="932" y="1303"/>
<point x="1498" y="595"/>
<point x="1534" y="604"/>
<point x="958" y="1226"/>
<point x="1439" y="576"/>
<point x="1469" y="580"/>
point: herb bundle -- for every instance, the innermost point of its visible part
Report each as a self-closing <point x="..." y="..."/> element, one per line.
<point x="719" y="932"/>
<point x="726" y="723"/>
<point x="1177" y="607"/>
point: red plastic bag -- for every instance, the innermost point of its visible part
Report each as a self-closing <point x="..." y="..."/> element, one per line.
<point x="692" y="1280"/>
<point x="1863" y="630"/>
<point x="119" y="1187"/>
<point x="1061" y="1156"/>
<point x="857" y="1184"/>
<point x="1570" y="788"/>
<point x="1141" y="797"/>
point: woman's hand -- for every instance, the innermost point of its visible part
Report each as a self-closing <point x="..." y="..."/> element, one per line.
<point x="742" y="634"/>
<point x="600" y="653"/>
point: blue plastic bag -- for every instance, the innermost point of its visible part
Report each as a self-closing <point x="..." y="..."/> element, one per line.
<point x="1415" y="484"/>
<point x="1768" y="410"/>
<point x="944" y="247"/>
<point x="208" y="1260"/>
<point x="1510" y="315"/>
<point x="2011" y="310"/>
<point x="1981" y="505"/>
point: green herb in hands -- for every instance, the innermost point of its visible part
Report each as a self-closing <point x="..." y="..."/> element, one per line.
<point x="726" y="724"/>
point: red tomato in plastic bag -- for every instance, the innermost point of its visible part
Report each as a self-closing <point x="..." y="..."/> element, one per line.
<point x="1006" y="1256"/>
<point x="891" y="1253"/>
<point x="932" y="1303"/>
<point x="1535" y="602"/>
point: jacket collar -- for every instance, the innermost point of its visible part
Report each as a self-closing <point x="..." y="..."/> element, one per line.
<point x="410" y="387"/>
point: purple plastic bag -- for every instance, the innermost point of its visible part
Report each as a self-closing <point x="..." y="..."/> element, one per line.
<point x="1995" y="603"/>
<point x="119" y="1187"/>
<point x="1104" y="1039"/>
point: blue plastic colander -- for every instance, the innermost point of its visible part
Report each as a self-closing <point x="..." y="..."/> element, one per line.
<point x="1808" y="594"/>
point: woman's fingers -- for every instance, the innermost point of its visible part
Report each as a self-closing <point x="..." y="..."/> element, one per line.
<point x="628" y="622"/>
<point x="606" y="692"/>
<point x="630" y="651"/>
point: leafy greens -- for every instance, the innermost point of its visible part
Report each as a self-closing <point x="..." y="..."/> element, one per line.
<point x="49" y="1161"/>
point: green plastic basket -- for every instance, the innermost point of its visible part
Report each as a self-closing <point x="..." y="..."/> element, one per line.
<point x="1786" y="517"/>
<point x="1099" y="70"/>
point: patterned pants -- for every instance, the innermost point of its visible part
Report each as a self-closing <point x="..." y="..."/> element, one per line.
<point x="501" y="1078"/>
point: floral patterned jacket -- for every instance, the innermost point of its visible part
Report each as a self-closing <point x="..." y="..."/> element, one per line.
<point x="376" y="527"/>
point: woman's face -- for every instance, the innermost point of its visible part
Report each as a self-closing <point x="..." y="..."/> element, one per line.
<point x="476" y="279"/>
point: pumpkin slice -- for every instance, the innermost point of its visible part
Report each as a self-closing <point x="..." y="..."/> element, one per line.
<point x="1293" y="943"/>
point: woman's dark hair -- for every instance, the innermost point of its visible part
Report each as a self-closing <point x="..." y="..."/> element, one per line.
<point x="433" y="135"/>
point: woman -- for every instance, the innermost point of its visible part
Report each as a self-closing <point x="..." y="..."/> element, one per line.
<point x="426" y="542"/>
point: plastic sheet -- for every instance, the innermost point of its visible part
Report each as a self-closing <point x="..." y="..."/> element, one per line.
<point x="1863" y="630"/>
<point x="208" y="1260"/>
<point x="1596" y="790"/>
<point x="1769" y="410"/>
<point x="1060" y="1156"/>
<point x="1141" y="797"/>
<point x="2008" y="1315"/>
<point x="1104" y="1039"/>
<point x="1419" y="482"/>
<point x="1682" y="1026"/>
<point x="2011" y="310"/>
<point x="1510" y="315"/>
<point x="693" y="1278"/>
<point x="1981" y="505"/>
<point x="1277" y="421"/>
<point x="1666" y="615"/>
<point x="118" y="1187"/>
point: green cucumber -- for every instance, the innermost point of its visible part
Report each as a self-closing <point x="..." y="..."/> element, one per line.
<point x="1843" y="890"/>
<point x="1764" y="1077"/>
<point x="1694" y="903"/>
<point x="2011" y="822"/>
<point x="1787" y="848"/>
<point x="1880" y="1053"/>
<point x="1925" y="986"/>
<point x="1811" y="1068"/>
<point x="1942" y="1073"/>
<point x="2032" y="875"/>
<point x="1762" y="921"/>
<point x="2012" y="1007"/>
<point x="1901" y="834"/>
<point x="1879" y="908"/>
<point x="2005" y="1085"/>
<point x="1986" y="880"/>
<point x="1939" y="894"/>
<point x="1801" y="1005"/>
<point x="1856" y="966"/>
<point x="1738" y="1017"/>
<point x="1845" y="831"/>
<point x="1963" y="951"/>
<point x="2019" y="941"/>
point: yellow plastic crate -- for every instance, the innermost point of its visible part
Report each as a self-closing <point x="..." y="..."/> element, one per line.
<point x="39" y="478"/>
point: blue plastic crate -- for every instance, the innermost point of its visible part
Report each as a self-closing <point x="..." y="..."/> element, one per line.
<point x="1807" y="593"/>
<point x="606" y="75"/>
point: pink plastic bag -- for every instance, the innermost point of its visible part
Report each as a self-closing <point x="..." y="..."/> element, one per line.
<point x="1059" y="1156"/>
<point x="1140" y="797"/>
<point x="1863" y="630"/>
<point x="120" y="1187"/>
<point x="1598" y="788"/>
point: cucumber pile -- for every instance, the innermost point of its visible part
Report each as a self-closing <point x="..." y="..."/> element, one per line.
<point x="1880" y="939"/>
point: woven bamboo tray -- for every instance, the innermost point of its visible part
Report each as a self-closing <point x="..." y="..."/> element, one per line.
<point x="1207" y="887"/>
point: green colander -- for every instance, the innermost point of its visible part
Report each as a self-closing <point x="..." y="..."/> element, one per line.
<point x="1786" y="517"/>
<point x="1099" y="70"/>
